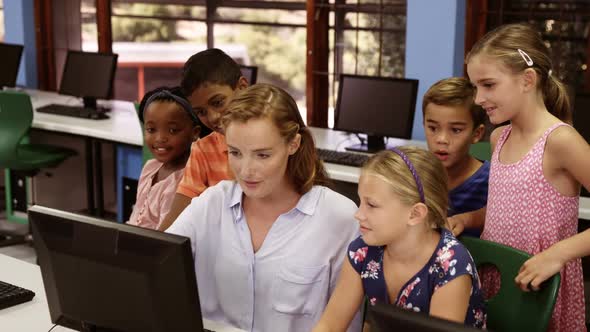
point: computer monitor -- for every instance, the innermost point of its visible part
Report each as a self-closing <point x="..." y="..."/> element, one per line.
<point x="385" y="318"/>
<point x="10" y="55"/>
<point x="377" y="106"/>
<point x="88" y="75"/>
<point x="105" y="276"/>
<point x="250" y="73"/>
<point x="581" y="117"/>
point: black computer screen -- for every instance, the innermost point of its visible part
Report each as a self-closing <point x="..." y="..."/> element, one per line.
<point x="10" y="55"/>
<point x="88" y="75"/>
<point x="376" y="106"/>
<point x="581" y="116"/>
<point x="116" y="277"/>
<point x="386" y="318"/>
<point x="250" y="73"/>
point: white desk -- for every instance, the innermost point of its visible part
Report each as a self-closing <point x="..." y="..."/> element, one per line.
<point x="337" y="140"/>
<point x="34" y="316"/>
<point x="121" y="127"/>
<point x="584" y="208"/>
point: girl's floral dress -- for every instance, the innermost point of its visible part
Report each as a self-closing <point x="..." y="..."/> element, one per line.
<point x="449" y="260"/>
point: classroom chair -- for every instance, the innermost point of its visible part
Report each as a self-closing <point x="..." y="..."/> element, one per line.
<point x="481" y="151"/>
<point x="511" y="309"/>
<point x="16" y="117"/>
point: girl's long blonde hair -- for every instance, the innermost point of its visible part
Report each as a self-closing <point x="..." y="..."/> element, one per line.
<point x="391" y="168"/>
<point x="504" y="43"/>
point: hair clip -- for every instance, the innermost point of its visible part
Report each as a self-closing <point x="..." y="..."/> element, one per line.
<point x="526" y="57"/>
<point x="549" y="73"/>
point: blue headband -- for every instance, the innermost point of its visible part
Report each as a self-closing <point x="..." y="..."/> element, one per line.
<point x="414" y="173"/>
<point x="181" y="101"/>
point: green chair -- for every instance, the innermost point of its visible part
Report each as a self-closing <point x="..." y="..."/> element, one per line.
<point x="16" y="117"/>
<point x="481" y="150"/>
<point x="511" y="309"/>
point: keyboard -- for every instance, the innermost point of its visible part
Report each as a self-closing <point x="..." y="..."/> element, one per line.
<point x="342" y="158"/>
<point x="74" y="111"/>
<point x="11" y="295"/>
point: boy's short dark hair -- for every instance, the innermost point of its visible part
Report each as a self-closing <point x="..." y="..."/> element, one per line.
<point x="455" y="91"/>
<point x="209" y="66"/>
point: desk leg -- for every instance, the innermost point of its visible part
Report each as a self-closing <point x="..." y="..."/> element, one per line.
<point x="99" y="183"/>
<point x="89" y="175"/>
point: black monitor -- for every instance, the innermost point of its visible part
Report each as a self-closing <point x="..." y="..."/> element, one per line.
<point x="10" y="55"/>
<point x="385" y="318"/>
<point x="250" y="73"/>
<point x="88" y="75"/>
<point x="581" y="117"/>
<point x="377" y="106"/>
<point x="105" y="276"/>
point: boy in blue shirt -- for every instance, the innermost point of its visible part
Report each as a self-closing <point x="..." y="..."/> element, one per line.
<point x="452" y="122"/>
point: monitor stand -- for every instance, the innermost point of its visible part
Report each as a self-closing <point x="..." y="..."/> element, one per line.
<point x="87" y="327"/>
<point x="374" y="145"/>
<point x="90" y="102"/>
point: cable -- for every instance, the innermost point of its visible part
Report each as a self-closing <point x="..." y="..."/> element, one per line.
<point x="360" y="138"/>
<point x="56" y="323"/>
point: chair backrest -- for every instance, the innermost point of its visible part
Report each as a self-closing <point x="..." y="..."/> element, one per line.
<point x="16" y="117"/>
<point x="511" y="309"/>
<point x="481" y="150"/>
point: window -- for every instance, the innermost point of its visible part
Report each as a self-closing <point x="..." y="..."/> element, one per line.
<point x="564" y="26"/>
<point x="365" y="37"/>
<point x="155" y="38"/>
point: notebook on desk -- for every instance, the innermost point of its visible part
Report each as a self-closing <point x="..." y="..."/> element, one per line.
<point x="99" y="274"/>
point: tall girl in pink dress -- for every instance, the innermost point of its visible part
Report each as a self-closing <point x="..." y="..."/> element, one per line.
<point x="538" y="164"/>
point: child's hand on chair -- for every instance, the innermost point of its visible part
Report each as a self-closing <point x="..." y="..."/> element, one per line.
<point x="539" y="268"/>
<point x="456" y="224"/>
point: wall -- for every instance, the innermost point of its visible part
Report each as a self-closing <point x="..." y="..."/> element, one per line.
<point x="19" y="28"/>
<point x="435" y="38"/>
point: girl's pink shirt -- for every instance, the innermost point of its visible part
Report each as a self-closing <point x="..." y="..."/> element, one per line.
<point x="153" y="201"/>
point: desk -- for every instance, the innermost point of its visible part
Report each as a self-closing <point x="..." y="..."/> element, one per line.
<point x="122" y="128"/>
<point x="337" y="140"/>
<point x="34" y="316"/>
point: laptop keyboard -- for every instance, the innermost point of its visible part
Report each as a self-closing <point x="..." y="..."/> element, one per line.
<point x="73" y="111"/>
<point x="342" y="158"/>
<point x="11" y="295"/>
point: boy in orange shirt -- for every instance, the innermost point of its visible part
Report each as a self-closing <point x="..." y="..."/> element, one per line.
<point x="209" y="80"/>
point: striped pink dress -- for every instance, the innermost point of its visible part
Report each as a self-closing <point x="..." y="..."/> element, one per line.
<point x="526" y="212"/>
